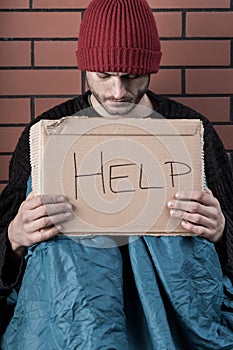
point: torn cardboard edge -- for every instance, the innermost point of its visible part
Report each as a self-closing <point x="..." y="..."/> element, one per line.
<point x="120" y="173"/>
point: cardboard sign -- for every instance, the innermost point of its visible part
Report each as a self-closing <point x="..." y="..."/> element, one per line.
<point x="118" y="174"/>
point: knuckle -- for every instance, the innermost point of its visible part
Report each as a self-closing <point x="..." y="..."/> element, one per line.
<point x="44" y="221"/>
<point x="28" y="228"/>
<point x="194" y="207"/>
<point x="199" y="231"/>
<point x="191" y="227"/>
<point x="58" y="218"/>
<point x="199" y="196"/>
<point x="176" y="204"/>
<point x="54" y="199"/>
<point x="23" y="206"/>
<point x="39" y="200"/>
<point x="48" y="233"/>
<point x="54" y="231"/>
<point x="198" y="218"/>
<point x="215" y="213"/>
<point x="24" y="218"/>
<point x="44" y="211"/>
<point x="181" y="214"/>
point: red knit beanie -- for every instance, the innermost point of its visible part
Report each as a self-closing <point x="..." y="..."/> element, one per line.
<point x="119" y="36"/>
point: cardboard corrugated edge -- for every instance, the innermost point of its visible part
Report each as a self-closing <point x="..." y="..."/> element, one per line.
<point x="35" y="142"/>
<point x="67" y="126"/>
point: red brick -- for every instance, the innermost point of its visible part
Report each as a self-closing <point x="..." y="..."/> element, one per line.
<point x="15" y="53"/>
<point x="9" y="137"/>
<point x="39" y="24"/>
<point x="44" y="104"/>
<point x="55" y="53"/>
<point x="40" y="82"/>
<point x="189" y="4"/>
<point x="169" y="24"/>
<point x="196" y="53"/>
<point x="68" y="4"/>
<point x="66" y="24"/>
<point x="209" y="81"/>
<point x="4" y="167"/>
<point x="153" y="3"/>
<point x="225" y="132"/>
<point x="2" y="186"/>
<point x="14" y="4"/>
<point x="216" y="109"/>
<point x="166" y="82"/>
<point x="210" y="24"/>
<point x="14" y="110"/>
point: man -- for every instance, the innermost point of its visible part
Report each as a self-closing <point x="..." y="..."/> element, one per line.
<point x="119" y="48"/>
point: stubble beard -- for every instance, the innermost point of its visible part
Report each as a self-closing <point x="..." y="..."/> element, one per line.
<point x="129" y="101"/>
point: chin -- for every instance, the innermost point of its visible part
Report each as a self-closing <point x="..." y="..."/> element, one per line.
<point x="120" y="110"/>
<point x="117" y="112"/>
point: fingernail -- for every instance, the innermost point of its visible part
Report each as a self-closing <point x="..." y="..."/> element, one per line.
<point x="61" y="199"/>
<point x="170" y="204"/>
<point x="172" y="212"/>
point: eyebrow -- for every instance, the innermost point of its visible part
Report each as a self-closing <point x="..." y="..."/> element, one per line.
<point x="115" y="74"/>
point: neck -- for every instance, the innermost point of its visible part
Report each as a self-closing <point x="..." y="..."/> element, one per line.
<point x="141" y="110"/>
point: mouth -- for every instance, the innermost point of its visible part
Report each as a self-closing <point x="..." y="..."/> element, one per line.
<point x="118" y="102"/>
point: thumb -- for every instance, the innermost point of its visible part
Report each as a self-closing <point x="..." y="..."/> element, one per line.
<point x="31" y="195"/>
<point x="208" y="191"/>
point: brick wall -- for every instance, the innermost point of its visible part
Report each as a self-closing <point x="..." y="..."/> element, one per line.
<point x="38" y="66"/>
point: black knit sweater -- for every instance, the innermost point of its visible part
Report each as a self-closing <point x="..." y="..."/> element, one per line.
<point x="217" y="168"/>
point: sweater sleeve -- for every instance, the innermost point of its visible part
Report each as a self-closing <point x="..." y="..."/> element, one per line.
<point x="11" y="198"/>
<point x="11" y="268"/>
<point x="218" y="174"/>
<point x="220" y="181"/>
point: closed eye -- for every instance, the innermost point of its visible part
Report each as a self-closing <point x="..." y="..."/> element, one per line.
<point x="103" y="75"/>
<point x="132" y="76"/>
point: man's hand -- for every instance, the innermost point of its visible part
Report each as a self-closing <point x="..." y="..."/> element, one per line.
<point x="200" y="212"/>
<point x="38" y="219"/>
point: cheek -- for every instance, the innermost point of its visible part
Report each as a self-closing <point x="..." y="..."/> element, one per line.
<point x="140" y="87"/>
<point x="141" y="84"/>
<point x="100" y="86"/>
<point x="145" y="83"/>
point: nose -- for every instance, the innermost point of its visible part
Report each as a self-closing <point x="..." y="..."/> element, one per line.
<point x="118" y="88"/>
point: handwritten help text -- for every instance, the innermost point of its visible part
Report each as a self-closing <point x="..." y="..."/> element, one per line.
<point x="111" y="181"/>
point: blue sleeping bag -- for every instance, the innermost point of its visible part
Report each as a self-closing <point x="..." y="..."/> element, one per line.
<point x="172" y="295"/>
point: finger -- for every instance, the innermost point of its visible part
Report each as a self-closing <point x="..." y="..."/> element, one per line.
<point x="208" y="190"/>
<point x="43" y="235"/>
<point x="30" y="195"/>
<point x="46" y="210"/>
<point x="198" y="196"/>
<point x="37" y="201"/>
<point x="196" y="219"/>
<point x="194" y="207"/>
<point x="57" y="208"/>
<point x="47" y="221"/>
<point x="196" y="229"/>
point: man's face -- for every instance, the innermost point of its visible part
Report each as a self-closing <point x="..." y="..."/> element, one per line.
<point x="118" y="93"/>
